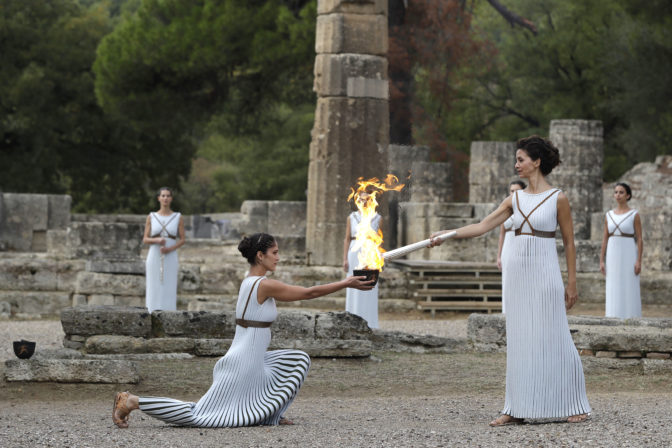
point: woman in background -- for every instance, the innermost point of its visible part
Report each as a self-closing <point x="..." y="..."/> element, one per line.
<point x="622" y="244"/>
<point x="164" y="232"/>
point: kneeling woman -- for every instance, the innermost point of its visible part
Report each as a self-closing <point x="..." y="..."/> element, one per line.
<point x="250" y="385"/>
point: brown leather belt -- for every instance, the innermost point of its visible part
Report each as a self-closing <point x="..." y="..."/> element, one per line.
<point x="537" y="233"/>
<point x="252" y="323"/>
<point x="624" y="235"/>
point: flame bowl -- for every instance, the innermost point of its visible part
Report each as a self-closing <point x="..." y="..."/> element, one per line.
<point x="370" y="274"/>
<point x="24" y="349"/>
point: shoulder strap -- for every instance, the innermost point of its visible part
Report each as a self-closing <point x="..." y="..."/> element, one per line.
<point x="526" y="218"/>
<point x="250" y="295"/>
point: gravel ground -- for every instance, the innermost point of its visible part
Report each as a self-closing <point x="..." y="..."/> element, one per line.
<point x="389" y="400"/>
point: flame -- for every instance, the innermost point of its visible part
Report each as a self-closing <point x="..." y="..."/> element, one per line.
<point x="369" y="240"/>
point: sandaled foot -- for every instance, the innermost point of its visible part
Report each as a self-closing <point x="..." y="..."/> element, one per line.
<point x="577" y="418"/>
<point x="120" y="411"/>
<point x="506" y="420"/>
<point x="285" y="421"/>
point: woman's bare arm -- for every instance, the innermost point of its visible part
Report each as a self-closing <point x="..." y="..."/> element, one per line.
<point x="640" y="244"/>
<point x="567" y="230"/>
<point x="289" y="293"/>
<point x="603" y="249"/>
<point x="147" y="239"/>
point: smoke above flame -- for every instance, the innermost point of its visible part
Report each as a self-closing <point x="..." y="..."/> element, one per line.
<point x="367" y="239"/>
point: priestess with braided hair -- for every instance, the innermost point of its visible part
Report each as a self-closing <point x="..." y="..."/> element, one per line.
<point x="251" y="386"/>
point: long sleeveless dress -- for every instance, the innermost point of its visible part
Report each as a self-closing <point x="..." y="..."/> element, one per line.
<point x="251" y="386"/>
<point x="622" y="285"/>
<point x="161" y="270"/>
<point x="506" y="248"/>
<point x="361" y="303"/>
<point x="544" y="374"/>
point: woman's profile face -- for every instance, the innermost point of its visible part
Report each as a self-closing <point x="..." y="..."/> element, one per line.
<point x="270" y="259"/>
<point x="165" y="197"/>
<point x="620" y="194"/>
<point x="514" y="187"/>
<point x="525" y="166"/>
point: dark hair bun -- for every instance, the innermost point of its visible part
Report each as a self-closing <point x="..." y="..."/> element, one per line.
<point x="246" y="247"/>
<point x="250" y="245"/>
<point x="540" y="148"/>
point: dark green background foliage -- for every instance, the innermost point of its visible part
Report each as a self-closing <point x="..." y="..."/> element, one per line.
<point x="106" y="100"/>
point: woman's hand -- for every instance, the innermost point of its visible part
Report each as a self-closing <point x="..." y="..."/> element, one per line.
<point x="499" y="263"/>
<point x="346" y="266"/>
<point x="603" y="269"/>
<point x="434" y="241"/>
<point x="161" y="242"/>
<point x="571" y="296"/>
<point x="359" y="282"/>
<point x="638" y="267"/>
<point x="166" y="250"/>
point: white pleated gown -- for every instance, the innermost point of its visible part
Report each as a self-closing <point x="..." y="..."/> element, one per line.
<point x="361" y="303"/>
<point x="251" y="386"/>
<point x="506" y="248"/>
<point x="622" y="285"/>
<point x="161" y="272"/>
<point x="544" y="374"/>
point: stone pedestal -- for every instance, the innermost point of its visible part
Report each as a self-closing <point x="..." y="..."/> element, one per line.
<point x="579" y="175"/>
<point x="351" y="131"/>
<point x="491" y="170"/>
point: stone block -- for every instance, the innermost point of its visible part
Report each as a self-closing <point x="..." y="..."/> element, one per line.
<point x="491" y="170"/>
<point x="59" y="353"/>
<point x="487" y="331"/>
<point x="629" y="354"/>
<point x="431" y="182"/>
<point x="352" y="6"/>
<point x="120" y="284"/>
<point x="57" y="243"/>
<point x="360" y="87"/>
<point x="69" y="343"/>
<point x="333" y="73"/>
<point x="104" y="239"/>
<point x="170" y="345"/>
<point x="101" y="299"/>
<point x="351" y="33"/>
<point x="331" y="348"/>
<point x="212" y="347"/>
<point x="657" y="355"/>
<point x="115" y="344"/>
<point x="340" y="325"/>
<point x="22" y="215"/>
<point x="58" y="216"/>
<point x="221" y="278"/>
<point x="294" y="325"/>
<point x="79" y="299"/>
<point x="599" y="365"/>
<point x="255" y="217"/>
<point x="130" y="301"/>
<point x="194" y="324"/>
<point x="657" y="366"/>
<point x="586" y="352"/>
<point x="623" y="338"/>
<point x="605" y="354"/>
<point x="36" y="302"/>
<point x="96" y="320"/>
<point x="72" y="371"/>
<point x="287" y="217"/>
<point x="130" y="265"/>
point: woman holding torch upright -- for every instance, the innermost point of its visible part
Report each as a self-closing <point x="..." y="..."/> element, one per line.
<point x="544" y="374"/>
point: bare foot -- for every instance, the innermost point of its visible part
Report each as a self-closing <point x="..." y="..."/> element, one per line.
<point x="121" y="411"/>
<point x="577" y="418"/>
<point x="506" y="420"/>
<point x="285" y="421"/>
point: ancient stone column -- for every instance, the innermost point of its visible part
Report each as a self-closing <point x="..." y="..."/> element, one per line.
<point x="579" y="175"/>
<point x="351" y="131"/>
<point x="491" y="170"/>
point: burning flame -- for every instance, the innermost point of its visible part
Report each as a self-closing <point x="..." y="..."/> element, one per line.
<point x="367" y="239"/>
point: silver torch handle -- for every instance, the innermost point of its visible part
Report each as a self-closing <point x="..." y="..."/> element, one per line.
<point x="403" y="250"/>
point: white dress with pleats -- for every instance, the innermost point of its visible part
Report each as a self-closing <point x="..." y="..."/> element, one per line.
<point x="506" y="248"/>
<point x="544" y="374"/>
<point x="622" y="285"/>
<point x="361" y="303"/>
<point x="251" y="386"/>
<point x="161" y="270"/>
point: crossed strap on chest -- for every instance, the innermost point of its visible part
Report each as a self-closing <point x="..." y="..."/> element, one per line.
<point x="251" y="323"/>
<point x="163" y="226"/>
<point x="526" y="219"/>
<point x="623" y="234"/>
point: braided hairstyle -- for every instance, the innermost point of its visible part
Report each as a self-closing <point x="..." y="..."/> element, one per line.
<point x="539" y="148"/>
<point x="250" y="245"/>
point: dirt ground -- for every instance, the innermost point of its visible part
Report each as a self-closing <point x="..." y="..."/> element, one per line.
<point x="387" y="400"/>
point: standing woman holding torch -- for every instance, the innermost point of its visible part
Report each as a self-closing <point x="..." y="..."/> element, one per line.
<point x="544" y="374"/>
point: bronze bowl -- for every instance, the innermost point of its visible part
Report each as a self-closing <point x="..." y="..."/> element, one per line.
<point x="370" y="274"/>
<point x="24" y="349"/>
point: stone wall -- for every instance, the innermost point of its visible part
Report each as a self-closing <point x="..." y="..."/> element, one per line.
<point x="351" y="131"/>
<point x="491" y="170"/>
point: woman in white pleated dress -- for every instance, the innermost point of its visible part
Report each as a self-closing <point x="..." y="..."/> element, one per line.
<point x="622" y="244"/>
<point x="544" y="374"/>
<point x="506" y="234"/>
<point x="361" y="303"/>
<point x="164" y="232"/>
<point x="251" y="386"/>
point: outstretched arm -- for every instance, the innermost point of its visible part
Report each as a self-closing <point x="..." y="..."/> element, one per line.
<point x="289" y="293"/>
<point x="488" y="223"/>
<point x="567" y="230"/>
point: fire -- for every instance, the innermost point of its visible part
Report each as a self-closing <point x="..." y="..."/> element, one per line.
<point x="369" y="240"/>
